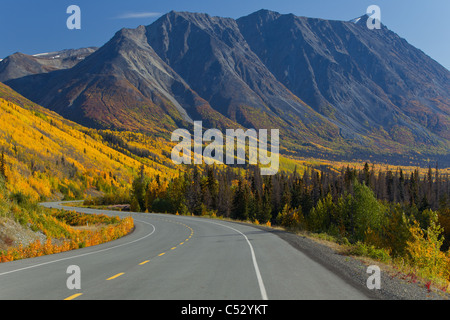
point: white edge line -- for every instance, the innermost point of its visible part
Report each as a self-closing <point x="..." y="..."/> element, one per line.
<point x="255" y="263"/>
<point x="84" y="254"/>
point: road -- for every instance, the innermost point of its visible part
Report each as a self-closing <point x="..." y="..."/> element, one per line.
<point x="170" y="257"/>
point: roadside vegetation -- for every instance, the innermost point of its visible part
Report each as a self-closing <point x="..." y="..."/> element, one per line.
<point x="62" y="230"/>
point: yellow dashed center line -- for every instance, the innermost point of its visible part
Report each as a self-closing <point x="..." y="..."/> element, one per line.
<point x="73" y="296"/>
<point x="173" y="248"/>
<point x="116" y="276"/>
<point x="142" y="263"/>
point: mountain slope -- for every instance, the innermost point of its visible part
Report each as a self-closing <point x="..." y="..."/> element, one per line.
<point x="48" y="156"/>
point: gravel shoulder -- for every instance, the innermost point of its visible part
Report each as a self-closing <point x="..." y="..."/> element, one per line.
<point x="12" y="234"/>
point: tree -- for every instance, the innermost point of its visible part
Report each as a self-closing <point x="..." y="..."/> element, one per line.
<point x="290" y="218"/>
<point x="401" y="186"/>
<point x="255" y="205"/>
<point x="194" y="194"/>
<point x="3" y="165"/>
<point x="414" y="188"/>
<point x="321" y="216"/>
<point x="425" y="250"/>
<point x="138" y="189"/>
<point x="444" y="221"/>
<point x="212" y="186"/>
<point x="176" y="194"/>
<point x="152" y="192"/>
<point x="265" y="214"/>
<point x="390" y="189"/>
<point x="241" y="202"/>
<point x="364" y="211"/>
<point x="134" y="205"/>
<point x="224" y="196"/>
<point x="396" y="231"/>
<point x="366" y="174"/>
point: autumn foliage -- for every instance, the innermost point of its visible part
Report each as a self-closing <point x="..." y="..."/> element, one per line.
<point x="43" y="154"/>
<point x="63" y="230"/>
<point x="77" y="239"/>
<point x="425" y="253"/>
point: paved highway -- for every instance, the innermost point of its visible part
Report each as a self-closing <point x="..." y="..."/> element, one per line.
<point x="172" y="257"/>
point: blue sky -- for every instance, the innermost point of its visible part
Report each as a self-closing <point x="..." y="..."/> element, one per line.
<point x="36" y="26"/>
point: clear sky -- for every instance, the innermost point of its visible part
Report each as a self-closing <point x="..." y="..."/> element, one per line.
<point x="37" y="26"/>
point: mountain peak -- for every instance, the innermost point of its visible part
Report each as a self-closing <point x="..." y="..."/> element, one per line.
<point x="357" y="20"/>
<point x="187" y="15"/>
<point x="265" y="15"/>
<point x="362" y="21"/>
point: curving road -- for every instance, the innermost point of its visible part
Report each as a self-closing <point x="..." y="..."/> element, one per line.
<point x="171" y="257"/>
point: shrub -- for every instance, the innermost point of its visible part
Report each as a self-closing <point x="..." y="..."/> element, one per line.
<point x="291" y="218"/>
<point x="366" y="250"/>
<point x="19" y="197"/>
<point x="424" y="251"/>
<point x="321" y="217"/>
<point x="396" y="231"/>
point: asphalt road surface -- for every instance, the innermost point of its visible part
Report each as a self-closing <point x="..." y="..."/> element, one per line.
<point x="172" y="257"/>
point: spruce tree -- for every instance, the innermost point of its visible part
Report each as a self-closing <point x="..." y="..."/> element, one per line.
<point x="3" y="165"/>
<point x="241" y="202"/>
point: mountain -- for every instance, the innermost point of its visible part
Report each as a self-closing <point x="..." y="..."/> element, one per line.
<point x="333" y="88"/>
<point x="123" y="85"/>
<point x="363" y="78"/>
<point x="19" y="65"/>
<point x="213" y="57"/>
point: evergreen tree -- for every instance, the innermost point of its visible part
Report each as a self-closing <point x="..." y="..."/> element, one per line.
<point x="224" y="197"/>
<point x="365" y="212"/>
<point x="3" y="165"/>
<point x="212" y="187"/>
<point x="138" y="190"/>
<point x="240" y="209"/>
<point x="265" y="215"/>
<point x="401" y="187"/>
<point x="366" y="174"/>
<point x="255" y="206"/>
<point x="194" y="193"/>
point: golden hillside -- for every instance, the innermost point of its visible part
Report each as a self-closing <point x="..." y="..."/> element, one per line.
<point x="48" y="157"/>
